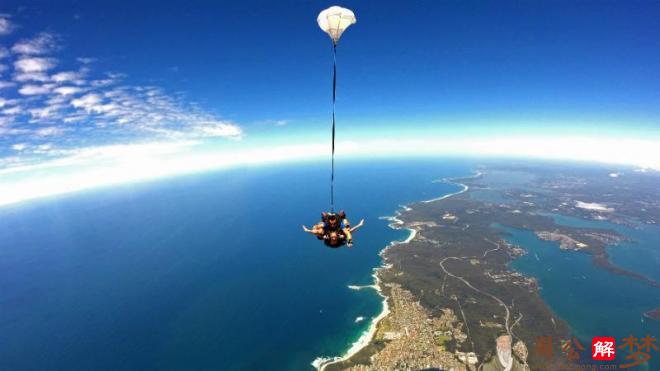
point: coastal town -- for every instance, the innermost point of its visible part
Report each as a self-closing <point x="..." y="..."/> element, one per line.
<point x="412" y="339"/>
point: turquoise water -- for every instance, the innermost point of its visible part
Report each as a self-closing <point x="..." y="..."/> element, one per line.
<point x="640" y="254"/>
<point x="208" y="271"/>
<point x="592" y="300"/>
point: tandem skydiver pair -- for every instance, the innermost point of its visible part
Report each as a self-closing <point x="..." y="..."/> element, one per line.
<point x="334" y="229"/>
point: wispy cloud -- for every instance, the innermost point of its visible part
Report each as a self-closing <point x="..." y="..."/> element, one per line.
<point x="67" y="90"/>
<point x="43" y="43"/>
<point x="33" y="65"/>
<point x="113" y="164"/>
<point x="85" y="60"/>
<point x="19" y="146"/>
<point x="34" y="89"/>
<point x="6" y="27"/>
<point x="49" y="131"/>
<point x="129" y="163"/>
<point x="75" y="77"/>
<point x="48" y="112"/>
<point x="272" y="122"/>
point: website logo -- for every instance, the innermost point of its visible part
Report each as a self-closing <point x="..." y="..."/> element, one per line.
<point x="603" y="348"/>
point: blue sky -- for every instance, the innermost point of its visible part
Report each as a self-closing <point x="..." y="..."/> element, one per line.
<point x="98" y="77"/>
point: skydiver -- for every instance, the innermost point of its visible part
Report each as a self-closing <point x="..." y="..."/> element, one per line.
<point x="334" y="229"/>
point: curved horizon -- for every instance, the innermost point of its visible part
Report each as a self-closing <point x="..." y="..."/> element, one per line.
<point x="113" y="165"/>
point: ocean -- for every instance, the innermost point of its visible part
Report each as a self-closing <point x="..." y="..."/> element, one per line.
<point x="213" y="271"/>
<point x="204" y="271"/>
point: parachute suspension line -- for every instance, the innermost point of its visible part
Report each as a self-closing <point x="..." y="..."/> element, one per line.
<point x="334" y="21"/>
<point x="334" y="95"/>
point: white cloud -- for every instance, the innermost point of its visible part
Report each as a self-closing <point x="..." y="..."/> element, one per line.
<point x="67" y="90"/>
<point x="87" y="102"/>
<point x="280" y="122"/>
<point x="85" y="60"/>
<point x="75" y="108"/>
<point x="271" y="122"/>
<point x="44" y="147"/>
<point x="74" y="118"/>
<point x="635" y="152"/>
<point x="31" y="76"/>
<point x="12" y="111"/>
<point x="41" y="44"/>
<point x="34" y="89"/>
<point x="593" y="206"/>
<point x="19" y="146"/>
<point x="219" y="129"/>
<point x="49" y="131"/>
<point x="102" y="82"/>
<point x="6" y="27"/>
<point x="45" y="112"/>
<point x="68" y="76"/>
<point x="129" y="163"/>
<point x="36" y="64"/>
<point x="56" y="99"/>
<point x="4" y="53"/>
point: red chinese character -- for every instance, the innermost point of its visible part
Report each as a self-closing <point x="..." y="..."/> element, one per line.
<point x="603" y="348"/>
<point x="639" y="353"/>
<point x="570" y="347"/>
<point x="648" y="343"/>
<point x="631" y="343"/>
<point x="543" y="347"/>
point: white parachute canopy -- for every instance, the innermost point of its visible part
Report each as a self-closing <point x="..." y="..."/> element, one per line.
<point x="335" y="20"/>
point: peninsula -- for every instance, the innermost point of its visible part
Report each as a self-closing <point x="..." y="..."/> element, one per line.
<point x="450" y="289"/>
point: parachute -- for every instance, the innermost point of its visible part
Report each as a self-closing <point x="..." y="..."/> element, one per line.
<point x="334" y="21"/>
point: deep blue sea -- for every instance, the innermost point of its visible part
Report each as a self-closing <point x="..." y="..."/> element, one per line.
<point x="206" y="271"/>
<point x="212" y="271"/>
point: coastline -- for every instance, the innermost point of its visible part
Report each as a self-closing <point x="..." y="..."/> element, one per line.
<point x="320" y="363"/>
<point x="465" y="189"/>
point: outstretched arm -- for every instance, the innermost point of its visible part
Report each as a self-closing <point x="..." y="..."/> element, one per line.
<point x="360" y="224"/>
<point x="348" y="231"/>
<point x="307" y="229"/>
